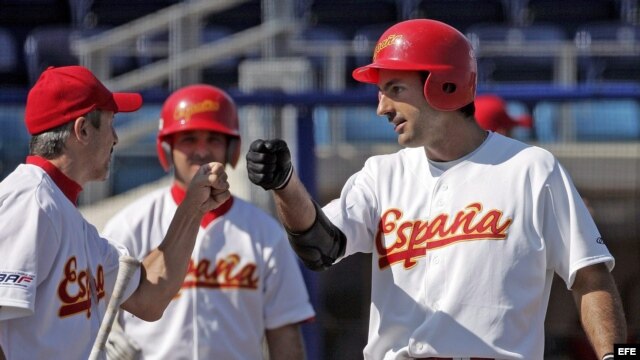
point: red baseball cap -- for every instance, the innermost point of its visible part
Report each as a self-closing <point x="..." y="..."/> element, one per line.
<point x="491" y="114"/>
<point x="63" y="94"/>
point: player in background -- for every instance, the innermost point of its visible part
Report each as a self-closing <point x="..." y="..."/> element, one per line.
<point x="466" y="227"/>
<point x="243" y="282"/>
<point x="491" y="114"/>
<point x="56" y="273"/>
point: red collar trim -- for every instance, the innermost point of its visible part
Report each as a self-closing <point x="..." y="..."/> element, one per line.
<point x="70" y="188"/>
<point x="179" y="193"/>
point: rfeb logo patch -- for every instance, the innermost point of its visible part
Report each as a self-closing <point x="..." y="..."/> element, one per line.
<point x="17" y="279"/>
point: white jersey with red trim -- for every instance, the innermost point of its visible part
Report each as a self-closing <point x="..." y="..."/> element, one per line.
<point x="243" y="279"/>
<point x="463" y="259"/>
<point x="56" y="272"/>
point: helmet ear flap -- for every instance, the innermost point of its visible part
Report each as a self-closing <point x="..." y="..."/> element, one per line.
<point x="163" y="149"/>
<point x="445" y="95"/>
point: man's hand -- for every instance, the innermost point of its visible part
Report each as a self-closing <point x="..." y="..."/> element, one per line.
<point x="269" y="164"/>
<point x="209" y="187"/>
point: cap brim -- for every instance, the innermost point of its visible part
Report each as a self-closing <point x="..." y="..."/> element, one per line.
<point x="525" y="120"/>
<point x="127" y="102"/>
<point x="369" y="73"/>
<point x="366" y="74"/>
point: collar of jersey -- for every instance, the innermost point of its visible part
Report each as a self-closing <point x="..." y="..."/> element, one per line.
<point x="179" y="193"/>
<point x="70" y="188"/>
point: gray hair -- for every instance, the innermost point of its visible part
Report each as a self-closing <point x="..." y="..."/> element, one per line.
<point x="50" y="144"/>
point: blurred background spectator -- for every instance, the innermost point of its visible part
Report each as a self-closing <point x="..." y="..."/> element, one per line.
<point x="491" y="114"/>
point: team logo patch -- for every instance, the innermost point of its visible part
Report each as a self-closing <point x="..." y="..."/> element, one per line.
<point x="388" y="41"/>
<point x="185" y="111"/>
<point x="16" y="279"/>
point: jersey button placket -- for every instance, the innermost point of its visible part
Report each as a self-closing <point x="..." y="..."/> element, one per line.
<point x="440" y="194"/>
<point x="437" y="289"/>
<point x="435" y="277"/>
<point x="436" y="273"/>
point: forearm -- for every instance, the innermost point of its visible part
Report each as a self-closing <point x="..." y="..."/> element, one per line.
<point x="166" y="266"/>
<point x="294" y="206"/>
<point x="164" y="269"/>
<point x="603" y="321"/>
<point x="601" y="312"/>
<point x="285" y="343"/>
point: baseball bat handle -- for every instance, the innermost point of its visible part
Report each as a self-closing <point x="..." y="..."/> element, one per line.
<point x="127" y="267"/>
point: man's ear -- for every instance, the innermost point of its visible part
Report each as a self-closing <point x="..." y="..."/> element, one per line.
<point x="80" y="132"/>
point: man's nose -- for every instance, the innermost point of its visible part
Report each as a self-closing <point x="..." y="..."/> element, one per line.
<point x="385" y="105"/>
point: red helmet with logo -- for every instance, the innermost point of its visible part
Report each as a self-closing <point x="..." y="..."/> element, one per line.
<point x="199" y="107"/>
<point x="427" y="45"/>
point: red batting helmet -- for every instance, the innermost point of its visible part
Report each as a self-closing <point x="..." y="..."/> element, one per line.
<point x="199" y="107"/>
<point x="427" y="45"/>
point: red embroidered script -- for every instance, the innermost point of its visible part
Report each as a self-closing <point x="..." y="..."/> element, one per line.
<point x="415" y="237"/>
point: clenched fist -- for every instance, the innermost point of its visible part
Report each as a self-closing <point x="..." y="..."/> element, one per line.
<point x="269" y="163"/>
<point x="209" y="187"/>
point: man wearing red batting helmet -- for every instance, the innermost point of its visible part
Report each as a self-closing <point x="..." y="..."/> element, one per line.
<point x="243" y="282"/>
<point x="56" y="273"/>
<point x="466" y="227"/>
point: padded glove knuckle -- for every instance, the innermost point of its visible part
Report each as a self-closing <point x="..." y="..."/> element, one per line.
<point x="271" y="160"/>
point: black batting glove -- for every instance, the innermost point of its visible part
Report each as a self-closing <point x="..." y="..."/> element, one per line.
<point x="269" y="164"/>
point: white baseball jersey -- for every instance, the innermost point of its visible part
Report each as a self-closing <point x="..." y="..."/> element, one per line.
<point x="56" y="272"/>
<point x="463" y="259"/>
<point x="243" y="279"/>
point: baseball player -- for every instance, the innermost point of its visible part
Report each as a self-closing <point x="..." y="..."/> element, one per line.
<point x="243" y="282"/>
<point x="56" y="273"/>
<point x="466" y="227"/>
<point x="491" y="114"/>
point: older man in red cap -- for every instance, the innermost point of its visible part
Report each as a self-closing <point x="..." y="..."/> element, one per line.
<point x="56" y="272"/>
